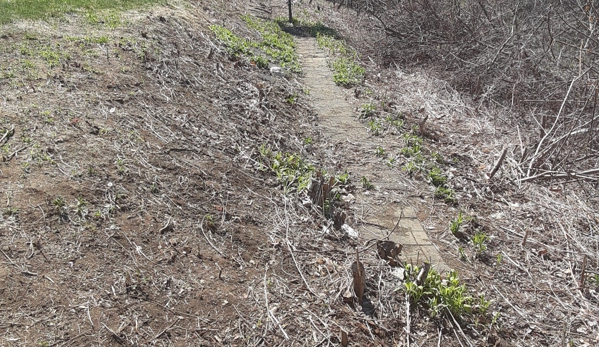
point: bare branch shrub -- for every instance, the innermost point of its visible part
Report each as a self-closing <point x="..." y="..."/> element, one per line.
<point x="539" y="59"/>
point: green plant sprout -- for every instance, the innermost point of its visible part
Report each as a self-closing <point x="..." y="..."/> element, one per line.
<point x="461" y="253"/>
<point x="275" y="46"/>
<point x="436" y="177"/>
<point x="410" y="168"/>
<point x="342" y="178"/>
<point x="59" y="203"/>
<point x="366" y="183"/>
<point x="445" y="194"/>
<point x="479" y="240"/>
<point x="367" y="110"/>
<point x="375" y="126"/>
<point x="346" y="70"/>
<point x="397" y="123"/>
<point x="292" y="99"/>
<point x="454" y="225"/>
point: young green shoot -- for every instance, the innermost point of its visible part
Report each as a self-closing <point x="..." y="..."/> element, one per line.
<point x="366" y="183"/>
<point x="454" y="225"/>
<point x="479" y="240"/>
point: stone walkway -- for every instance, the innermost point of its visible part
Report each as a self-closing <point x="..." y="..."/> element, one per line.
<point x="339" y="121"/>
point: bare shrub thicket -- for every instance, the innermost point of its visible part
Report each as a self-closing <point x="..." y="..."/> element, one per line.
<point x="537" y="58"/>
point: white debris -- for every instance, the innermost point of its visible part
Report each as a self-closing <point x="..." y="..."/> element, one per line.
<point x="278" y="71"/>
<point x="349" y="230"/>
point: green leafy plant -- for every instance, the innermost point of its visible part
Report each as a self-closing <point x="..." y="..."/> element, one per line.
<point x="59" y="203"/>
<point x="461" y="253"/>
<point x="456" y="224"/>
<point x="81" y="206"/>
<point x="483" y="304"/>
<point x="235" y="44"/>
<point x="479" y="240"/>
<point x="413" y="145"/>
<point x="210" y="222"/>
<point x="275" y="46"/>
<point x="342" y="178"/>
<point x="346" y="70"/>
<point x="291" y="170"/>
<point x="443" y="297"/>
<point x="436" y="177"/>
<point x="292" y="99"/>
<point x="276" y="43"/>
<point x="366" y="183"/>
<point x="410" y="167"/>
<point x="11" y="211"/>
<point x="375" y="126"/>
<point x="367" y="110"/>
<point x="436" y="157"/>
<point x="379" y="151"/>
<point x="445" y="194"/>
<point x="260" y="61"/>
<point x="397" y="123"/>
<point x="51" y="57"/>
<point x="495" y="318"/>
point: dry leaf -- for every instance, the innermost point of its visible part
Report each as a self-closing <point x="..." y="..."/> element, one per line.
<point x="389" y="250"/>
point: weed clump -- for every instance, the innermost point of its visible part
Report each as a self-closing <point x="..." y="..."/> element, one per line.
<point x="275" y="46"/>
<point x="443" y="297"/>
<point x="347" y="71"/>
<point x="291" y="170"/>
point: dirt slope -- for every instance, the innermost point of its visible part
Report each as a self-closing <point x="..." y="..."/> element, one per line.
<point x="133" y="211"/>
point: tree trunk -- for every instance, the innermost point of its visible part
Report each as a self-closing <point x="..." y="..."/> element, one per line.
<point x="290" y="15"/>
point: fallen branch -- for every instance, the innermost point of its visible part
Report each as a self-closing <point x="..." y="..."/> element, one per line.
<point x="499" y="162"/>
<point x="6" y="134"/>
<point x="560" y="175"/>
